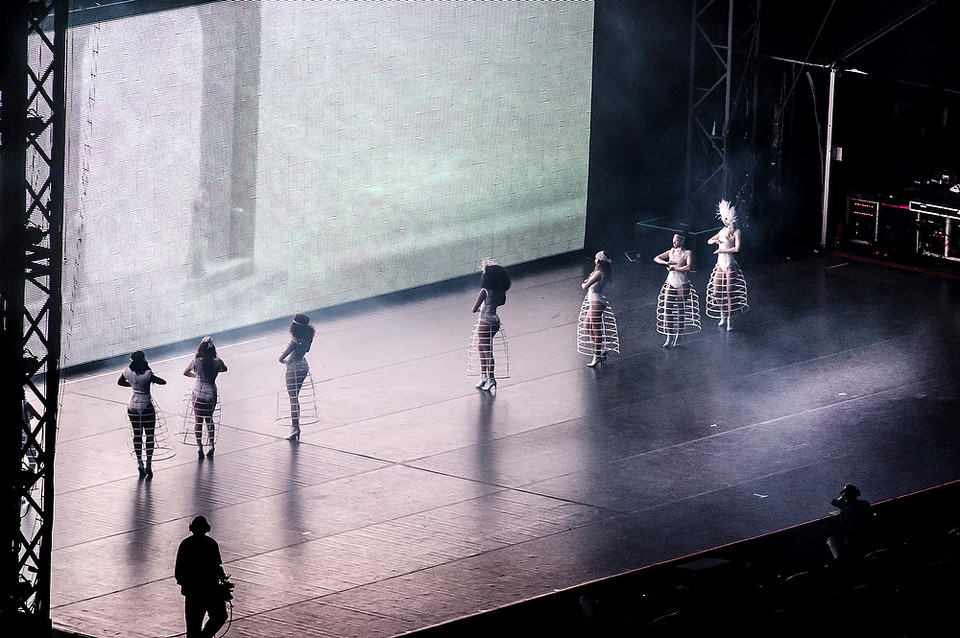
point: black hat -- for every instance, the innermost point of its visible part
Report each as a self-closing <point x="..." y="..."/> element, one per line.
<point x="849" y="491"/>
<point x="199" y="525"/>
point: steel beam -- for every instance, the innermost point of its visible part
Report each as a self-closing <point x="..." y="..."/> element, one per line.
<point x="32" y="138"/>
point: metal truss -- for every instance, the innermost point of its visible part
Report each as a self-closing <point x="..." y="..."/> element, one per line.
<point x="721" y="124"/>
<point x="32" y="127"/>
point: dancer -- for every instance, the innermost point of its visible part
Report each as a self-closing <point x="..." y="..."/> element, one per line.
<point x="205" y="367"/>
<point x="727" y="290"/>
<point x="297" y="368"/>
<point x="678" y="307"/>
<point x="597" y="328"/>
<point x="141" y="409"/>
<point x="494" y="284"/>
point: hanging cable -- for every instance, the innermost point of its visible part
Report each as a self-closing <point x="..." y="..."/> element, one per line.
<point x="909" y="15"/>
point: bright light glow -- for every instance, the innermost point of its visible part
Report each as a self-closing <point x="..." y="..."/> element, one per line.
<point x="236" y="162"/>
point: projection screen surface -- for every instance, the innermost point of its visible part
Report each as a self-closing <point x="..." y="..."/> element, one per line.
<point x="236" y="162"/>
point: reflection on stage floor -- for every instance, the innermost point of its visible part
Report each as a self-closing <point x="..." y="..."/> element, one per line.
<point x="417" y="499"/>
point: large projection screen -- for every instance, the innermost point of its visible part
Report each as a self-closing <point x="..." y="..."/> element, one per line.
<point x="236" y="162"/>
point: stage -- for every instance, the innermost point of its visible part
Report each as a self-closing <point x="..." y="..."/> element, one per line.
<point x="418" y="499"/>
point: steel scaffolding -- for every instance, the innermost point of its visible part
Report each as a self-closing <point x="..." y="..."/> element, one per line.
<point x="721" y="125"/>
<point x="32" y="142"/>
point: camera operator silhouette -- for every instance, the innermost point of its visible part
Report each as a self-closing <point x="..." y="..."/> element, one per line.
<point x="852" y="533"/>
<point x="199" y="572"/>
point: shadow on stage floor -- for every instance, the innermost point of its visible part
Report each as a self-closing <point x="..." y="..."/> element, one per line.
<point x="418" y="499"/>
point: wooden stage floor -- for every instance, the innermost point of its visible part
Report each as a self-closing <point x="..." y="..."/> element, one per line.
<point x="418" y="499"/>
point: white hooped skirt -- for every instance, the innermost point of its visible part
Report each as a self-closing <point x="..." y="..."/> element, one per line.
<point x="187" y="433"/>
<point x="723" y="300"/>
<point x="609" y="340"/>
<point x="307" y="398"/>
<point x="678" y="310"/>
<point x="501" y="354"/>
<point x="163" y="447"/>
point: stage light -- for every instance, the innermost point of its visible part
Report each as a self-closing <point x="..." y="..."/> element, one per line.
<point x="35" y="235"/>
<point x="31" y="364"/>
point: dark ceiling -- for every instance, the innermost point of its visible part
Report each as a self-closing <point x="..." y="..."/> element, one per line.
<point x="911" y="41"/>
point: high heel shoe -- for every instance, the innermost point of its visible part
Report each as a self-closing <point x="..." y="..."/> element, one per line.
<point x="490" y="384"/>
<point x="294" y="435"/>
<point x="723" y="320"/>
<point x="729" y="326"/>
<point x="140" y="470"/>
<point x="149" y="471"/>
<point x="594" y="362"/>
<point x="200" y="452"/>
<point x="210" y="453"/>
<point x="483" y="382"/>
<point x="666" y="343"/>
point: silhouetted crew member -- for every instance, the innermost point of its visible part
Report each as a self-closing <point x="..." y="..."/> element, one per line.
<point x="852" y="535"/>
<point x="198" y="572"/>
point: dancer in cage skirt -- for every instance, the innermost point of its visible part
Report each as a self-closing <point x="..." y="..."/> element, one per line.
<point x="726" y="290"/>
<point x="597" y="327"/>
<point x="488" y="337"/>
<point x="678" y="307"/>
<point x="205" y="367"/>
<point x="298" y="370"/>
<point x="141" y="410"/>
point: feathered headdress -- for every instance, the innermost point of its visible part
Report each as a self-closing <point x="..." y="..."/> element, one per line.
<point x="726" y="213"/>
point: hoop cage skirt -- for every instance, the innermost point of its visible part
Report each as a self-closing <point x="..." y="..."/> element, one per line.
<point x="308" y="402"/>
<point x="501" y="355"/>
<point x="718" y="296"/>
<point x="609" y="339"/>
<point x="187" y="433"/>
<point x="163" y="448"/>
<point x="678" y="314"/>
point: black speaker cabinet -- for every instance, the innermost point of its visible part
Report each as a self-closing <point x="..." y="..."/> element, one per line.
<point x="896" y="230"/>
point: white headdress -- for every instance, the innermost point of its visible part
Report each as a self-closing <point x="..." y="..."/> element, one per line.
<point x="487" y="261"/>
<point x="603" y="256"/>
<point x="726" y="213"/>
